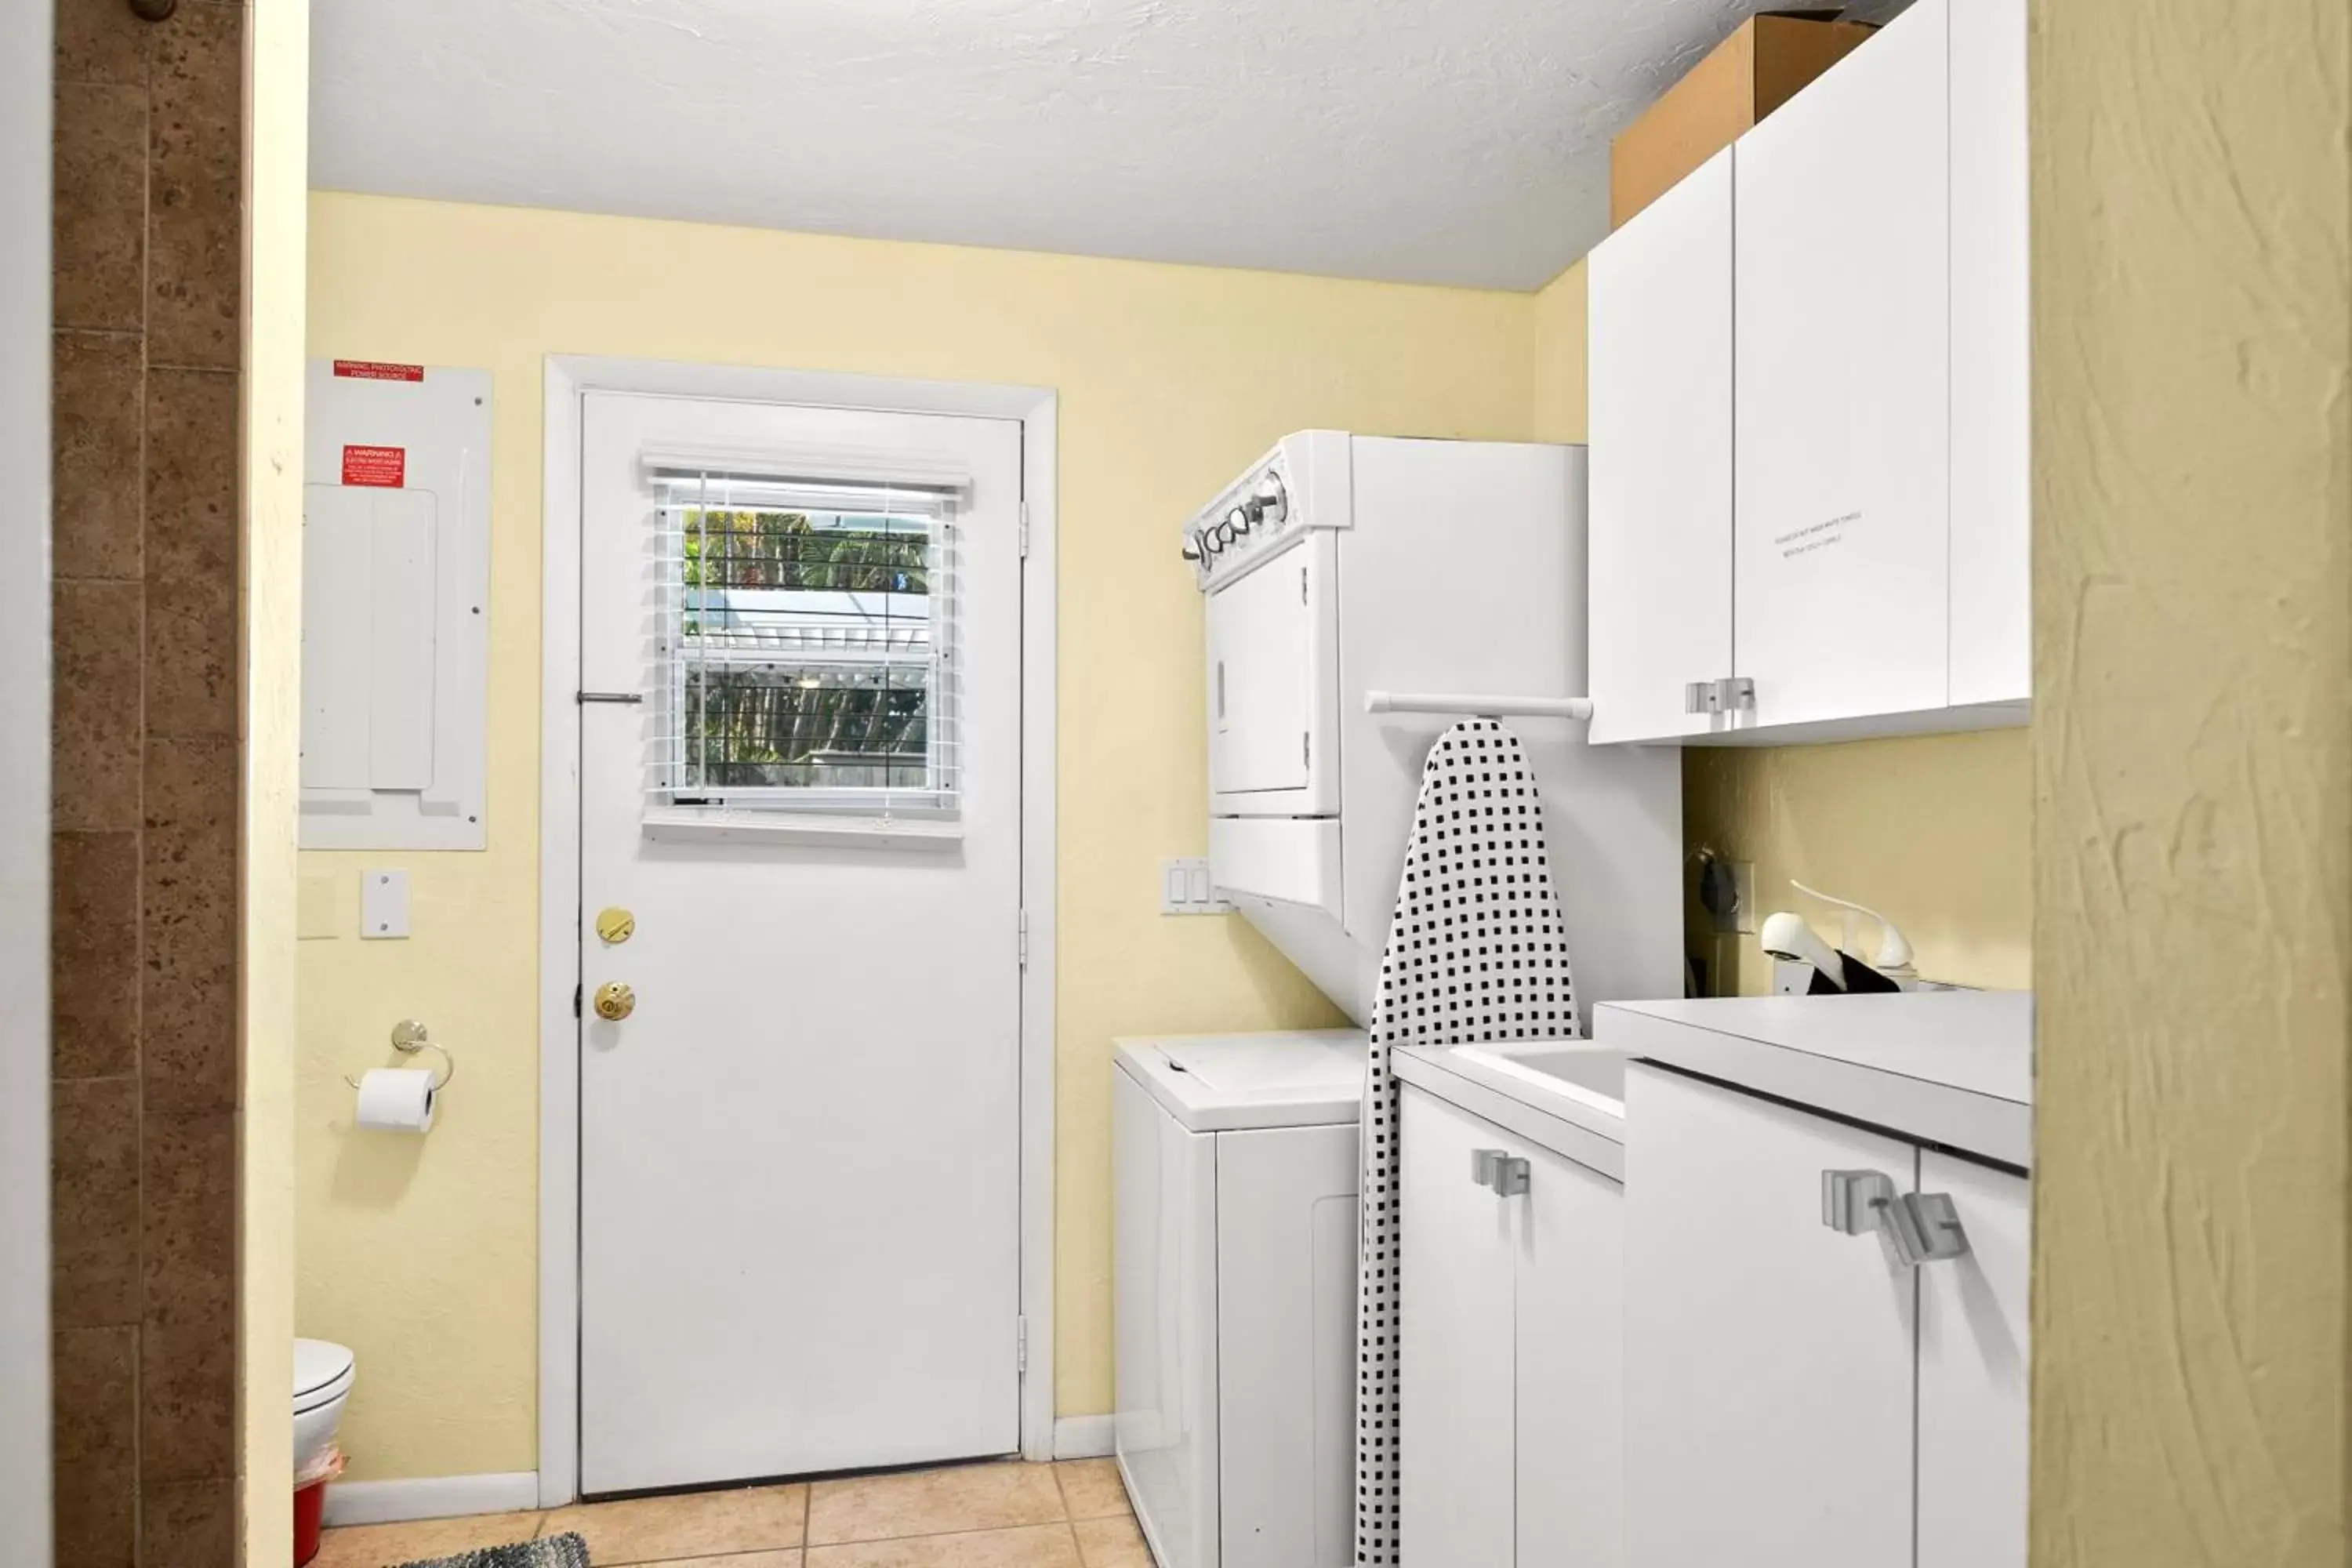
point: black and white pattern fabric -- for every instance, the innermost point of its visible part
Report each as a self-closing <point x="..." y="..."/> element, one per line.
<point x="1476" y="952"/>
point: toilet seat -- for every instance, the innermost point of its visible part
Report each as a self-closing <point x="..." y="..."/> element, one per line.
<point x="323" y="1374"/>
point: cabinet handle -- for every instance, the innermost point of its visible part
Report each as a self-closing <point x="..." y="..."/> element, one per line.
<point x="1924" y="1227"/>
<point x="1852" y="1201"/>
<point x="1915" y="1227"/>
<point x="1486" y="1166"/>
<point x="1511" y="1176"/>
<point x="1732" y="694"/>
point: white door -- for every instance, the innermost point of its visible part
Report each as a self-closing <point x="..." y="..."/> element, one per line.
<point x="1843" y="444"/>
<point x="1972" y="1360"/>
<point x="1455" y="1348"/>
<point x="800" y="777"/>
<point x="1570" y="1375"/>
<point x="1768" y="1358"/>
<point x="1660" y="436"/>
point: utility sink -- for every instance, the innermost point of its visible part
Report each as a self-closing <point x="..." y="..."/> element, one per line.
<point x="1590" y="1074"/>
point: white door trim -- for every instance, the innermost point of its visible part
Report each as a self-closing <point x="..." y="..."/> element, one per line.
<point x="567" y="377"/>
<point x="26" y="98"/>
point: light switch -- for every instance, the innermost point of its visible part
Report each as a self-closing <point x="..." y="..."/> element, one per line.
<point x="1185" y="889"/>
<point x="384" y="904"/>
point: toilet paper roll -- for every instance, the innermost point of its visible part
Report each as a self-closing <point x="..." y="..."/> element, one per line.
<point x="398" y="1099"/>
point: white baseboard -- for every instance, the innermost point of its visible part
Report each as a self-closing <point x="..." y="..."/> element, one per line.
<point x="1082" y="1437"/>
<point x="430" y="1497"/>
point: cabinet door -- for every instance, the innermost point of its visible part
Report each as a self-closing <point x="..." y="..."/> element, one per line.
<point x="1972" y="1360"/>
<point x="1570" y="1333"/>
<point x="1842" y="451"/>
<point x="1660" y="371"/>
<point x="1992" y="481"/>
<point x="1455" y="1349"/>
<point x="1768" y="1358"/>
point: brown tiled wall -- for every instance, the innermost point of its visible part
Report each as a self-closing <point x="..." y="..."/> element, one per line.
<point x="148" y="283"/>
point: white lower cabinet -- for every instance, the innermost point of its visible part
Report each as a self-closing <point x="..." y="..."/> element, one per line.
<point x="1510" y="1367"/>
<point x="1798" y="1396"/>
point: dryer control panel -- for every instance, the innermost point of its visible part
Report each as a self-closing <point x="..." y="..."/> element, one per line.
<point x="1302" y="483"/>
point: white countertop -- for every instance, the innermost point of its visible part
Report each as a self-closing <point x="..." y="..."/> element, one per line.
<point x="1570" y="1120"/>
<point x="1954" y="1068"/>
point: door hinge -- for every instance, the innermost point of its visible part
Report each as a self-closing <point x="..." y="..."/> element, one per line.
<point x="1306" y="748"/>
<point x="1022" y="927"/>
<point x="1024" y="530"/>
<point x="575" y="1000"/>
<point x="1302" y="585"/>
<point x="1020" y="1344"/>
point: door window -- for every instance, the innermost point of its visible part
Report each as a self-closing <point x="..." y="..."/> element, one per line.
<point x="809" y="646"/>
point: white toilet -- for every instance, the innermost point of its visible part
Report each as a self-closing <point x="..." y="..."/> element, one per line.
<point x="323" y="1381"/>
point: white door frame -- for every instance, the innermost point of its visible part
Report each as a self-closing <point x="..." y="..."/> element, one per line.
<point x="567" y="377"/>
<point x="26" y="65"/>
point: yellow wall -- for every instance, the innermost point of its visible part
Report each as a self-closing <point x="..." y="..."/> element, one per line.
<point x="278" y="174"/>
<point x="1932" y="831"/>
<point x="420" y="1255"/>
<point x="2192" y="775"/>
<point x="1559" y="325"/>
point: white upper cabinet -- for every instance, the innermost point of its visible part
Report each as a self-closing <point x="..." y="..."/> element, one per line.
<point x="1841" y="455"/>
<point x="1661" y="434"/>
<point x="1993" y="481"/>
<point x="1810" y="437"/>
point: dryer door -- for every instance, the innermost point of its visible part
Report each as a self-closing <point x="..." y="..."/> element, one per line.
<point x="1261" y="630"/>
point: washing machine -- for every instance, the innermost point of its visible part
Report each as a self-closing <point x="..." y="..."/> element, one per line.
<point x="1237" y="1177"/>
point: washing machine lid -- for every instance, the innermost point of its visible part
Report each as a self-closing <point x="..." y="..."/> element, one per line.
<point x="322" y="1370"/>
<point x="1226" y="1083"/>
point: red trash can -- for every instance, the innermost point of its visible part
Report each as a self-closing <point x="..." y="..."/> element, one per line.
<point x="310" y="1504"/>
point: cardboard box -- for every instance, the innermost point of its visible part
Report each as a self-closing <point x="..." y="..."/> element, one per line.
<point x="1748" y="76"/>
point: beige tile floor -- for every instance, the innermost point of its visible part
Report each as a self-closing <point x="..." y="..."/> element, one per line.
<point x="1007" y="1515"/>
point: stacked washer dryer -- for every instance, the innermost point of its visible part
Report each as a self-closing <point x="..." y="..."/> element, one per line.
<point x="1334" y="567"/>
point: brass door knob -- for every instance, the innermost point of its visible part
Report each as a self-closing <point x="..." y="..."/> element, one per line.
<point x="615" y="1001"/>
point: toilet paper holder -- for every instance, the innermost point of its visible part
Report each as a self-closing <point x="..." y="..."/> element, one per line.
<point x="410" y="1037"/>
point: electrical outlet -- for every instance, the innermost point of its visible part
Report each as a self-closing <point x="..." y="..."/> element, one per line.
<point x="1184" y="890"/>
<point x="1742" y="919"/>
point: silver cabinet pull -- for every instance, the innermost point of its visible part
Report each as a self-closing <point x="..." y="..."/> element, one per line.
<point x="1484" y="1165"/>
<point x="1731" y="694"/>
<point x="1851" y="1200"/>
<point x="1510" y="1177"/>
<point x="1915" y="1227"/>
<point x="1924" y="1227"/>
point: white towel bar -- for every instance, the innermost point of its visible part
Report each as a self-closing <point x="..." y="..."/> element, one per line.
<point x="1483" y="706"/>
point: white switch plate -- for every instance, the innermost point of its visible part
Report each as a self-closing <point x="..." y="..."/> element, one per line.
<point x="384" y="904"/>
<point x="1184" y="890"/>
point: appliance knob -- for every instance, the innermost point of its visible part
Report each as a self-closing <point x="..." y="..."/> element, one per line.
<point x="1271" y="501"/>
<point x="1238" y="519"/>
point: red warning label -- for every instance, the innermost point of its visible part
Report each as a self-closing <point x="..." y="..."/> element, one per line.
<point x="378" y="370"/>
<point x="386" y="467"/>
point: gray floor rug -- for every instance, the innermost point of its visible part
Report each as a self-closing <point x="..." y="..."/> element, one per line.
<point x="555" y="1552"/>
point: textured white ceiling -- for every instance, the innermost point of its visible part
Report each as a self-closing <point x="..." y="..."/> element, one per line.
<point x="1433" y="141"/>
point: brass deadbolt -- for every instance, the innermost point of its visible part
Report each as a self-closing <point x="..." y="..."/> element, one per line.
<point x="615" y="925"/>
<point x="615" y="1001"/>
